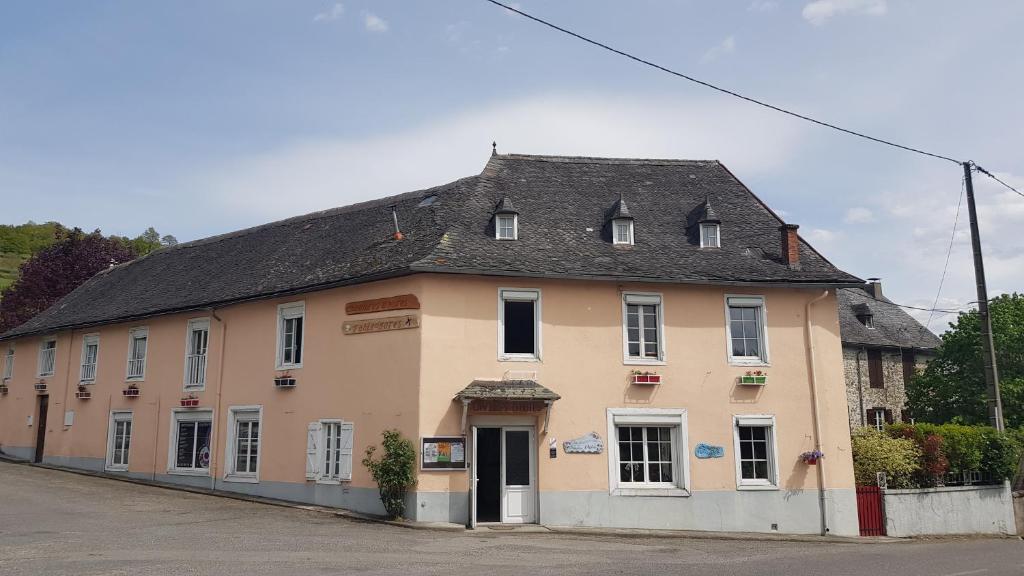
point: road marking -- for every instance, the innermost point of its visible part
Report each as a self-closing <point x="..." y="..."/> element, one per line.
<point x="968" y="572"/>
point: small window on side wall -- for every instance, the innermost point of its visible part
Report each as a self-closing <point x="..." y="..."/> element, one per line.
<point x="709" y="237"/>
<point x="519" y="325"/>
<point x="290" y="335"/>
<point x="506" y="226"/>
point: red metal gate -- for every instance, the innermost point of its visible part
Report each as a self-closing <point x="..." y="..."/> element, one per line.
<point x="869" y="511"/>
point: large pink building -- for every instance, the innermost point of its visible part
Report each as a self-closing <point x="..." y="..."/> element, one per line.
<point x="570" y="341"/>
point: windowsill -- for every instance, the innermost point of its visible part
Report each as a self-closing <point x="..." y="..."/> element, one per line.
<point x="242" y="478"/>
<point x="655" y="492"/>
<point x="283" y="368"/>
<point x="512" y="358"/>
<point x="180" y="472"/>
<point x="86" y="382"/>
<point x="331" y="482"/>
<point x="643" y="362"/>
<point x="115" y="469"/>
<point x="195" y="388"/>
<point x="136" y="379"/>
<point x="743" y="362"/>
<point x="756" y="487"/>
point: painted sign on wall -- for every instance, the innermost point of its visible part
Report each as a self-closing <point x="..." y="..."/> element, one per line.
<point x="381" y="324"/>
<point x="400" y="302"/>
<point x="587" y="444"/>
<point x="443" y="453"/>
<point x="708" y="451"/>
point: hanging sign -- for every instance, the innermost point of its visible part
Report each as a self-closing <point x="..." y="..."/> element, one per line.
<point x="381" y="324"/>
<point x="587" y="444"/>
<point x="401" y="302"/>
<point x="443" y="453"/>
<point x="704" y="451"/>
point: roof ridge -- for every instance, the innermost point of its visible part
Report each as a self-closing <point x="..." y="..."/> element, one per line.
<point x="604" y="160"/>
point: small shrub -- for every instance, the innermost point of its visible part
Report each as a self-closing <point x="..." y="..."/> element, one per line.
<point x="1000" y="455"/>
<point x="394" y="472"/>
<point x="875" y="451"/>
<point x="962" y="446"/>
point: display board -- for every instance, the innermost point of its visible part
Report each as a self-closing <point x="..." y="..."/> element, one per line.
<point x="443" y="453"/>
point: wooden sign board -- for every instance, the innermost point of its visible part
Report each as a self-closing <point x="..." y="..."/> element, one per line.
<point x="381" y="324"/>
<point x="401" y="302"/>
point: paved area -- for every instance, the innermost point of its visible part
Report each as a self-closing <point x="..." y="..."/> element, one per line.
<point x="56" y="523"/>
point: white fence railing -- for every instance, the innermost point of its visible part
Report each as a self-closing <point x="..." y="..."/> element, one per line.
<point x="136" y="367"/>
<point x="195" y="370"/>
<point x="88" y="372"/>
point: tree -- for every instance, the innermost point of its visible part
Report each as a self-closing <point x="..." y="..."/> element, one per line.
<point x="952" y="387"/>
<point x="56" y="270"/>
<point x="394" y="472"/>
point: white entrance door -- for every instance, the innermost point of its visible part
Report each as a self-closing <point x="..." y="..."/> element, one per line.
<point x="518" y="475"/>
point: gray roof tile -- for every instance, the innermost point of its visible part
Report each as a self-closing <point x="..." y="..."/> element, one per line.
<point x="892" y="326"/>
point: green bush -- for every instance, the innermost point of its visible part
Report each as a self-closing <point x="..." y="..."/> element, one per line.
<point x="394" y="472"/>
<point x="875" y="451"/>
<point x="962" y="446"/>
<point x="1000" y="455"/>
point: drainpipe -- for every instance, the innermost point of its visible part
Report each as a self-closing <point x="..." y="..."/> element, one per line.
<point x="215" y="433"/>
<point x="822" y="503"/>
<point x="860" y="390"/>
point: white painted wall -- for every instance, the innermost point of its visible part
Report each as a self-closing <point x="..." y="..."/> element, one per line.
<point x="949" y="510"/>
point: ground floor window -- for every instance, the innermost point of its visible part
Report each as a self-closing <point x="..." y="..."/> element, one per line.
<point x="329" y="451"/>
<point x="755" y="452"/>
<point x="244" y="443"/>
<point x="647" y="451"/>
<point x="119" y="440"/>
<point x="190" y="446"/>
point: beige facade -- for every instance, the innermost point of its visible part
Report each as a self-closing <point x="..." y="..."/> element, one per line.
<point x="408" y="379"/>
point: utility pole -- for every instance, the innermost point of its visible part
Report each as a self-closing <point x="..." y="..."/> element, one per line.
<point x="988" y="349"/>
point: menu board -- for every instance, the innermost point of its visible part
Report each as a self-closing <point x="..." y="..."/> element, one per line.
<point x="443" y="453"/>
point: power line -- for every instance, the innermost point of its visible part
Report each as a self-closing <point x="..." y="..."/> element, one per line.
<point x="963" y="182"/>
<point x="720" y="89"/>
<point x="992" y="176"/>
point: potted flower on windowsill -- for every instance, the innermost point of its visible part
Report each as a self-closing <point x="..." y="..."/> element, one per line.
<point x="811" y="458"/>
<point x="284" y="380"/>
<point x="40" y="386"/>
<point x="645" y="377"/>
<point x="83" y="393"/>
<point x="3" y="388"/>
<point x="754" y="377"/>
<point x="190" y="401"/>
<point x="132" y="391"/>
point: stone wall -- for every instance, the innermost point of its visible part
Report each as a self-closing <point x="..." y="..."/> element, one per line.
<point x="893" y="396"/>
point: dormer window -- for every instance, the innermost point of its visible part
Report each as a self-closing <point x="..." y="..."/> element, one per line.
<point x="622" y="231"/>
<point x="506" y="220"/>
<point x="867" y="320"/>
<point x="863" y="313"/>
<point x="709" y="237"/>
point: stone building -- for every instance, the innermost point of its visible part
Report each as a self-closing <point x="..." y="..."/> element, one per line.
<point x="883" y="347"/>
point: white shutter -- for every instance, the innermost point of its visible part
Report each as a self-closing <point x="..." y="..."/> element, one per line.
<point x="345" y="461"/>
<point x="313" y="451"/>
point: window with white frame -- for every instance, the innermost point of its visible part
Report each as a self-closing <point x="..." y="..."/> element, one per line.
<point x="756" y="465"/>
<point x="138" y="341"/>
<point x="90" y="356"/>
<point x="190" y="445"/>
<point x="709" y="236"/>
<point x="647" y="451"/>
<point x="746" y="330"/>
<point x="329" y="451"/>
<point x="506" y="226"/>
<point x="519" y="324"/>
<point x="290" y="320"/>
<point x="244" y="443"/>
<point x="47" y="356"/>
<point x="642" y="327"/>
<point x="119" y="440"/>
<point x="9" y="363"/>
<point x="196" y="343"/>
<point x="622" y="231"/>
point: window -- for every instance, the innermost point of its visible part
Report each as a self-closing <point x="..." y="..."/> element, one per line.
<point x="879" y="417"/>
<point x="138" y="339"/>
<point x="876" y="377"/>
<point x="119" y="440"/>
<point x="746" y="330"/>
<point x="243" y="448"/>
<point x="642" y="327"/>
<point x="709" y="236"/>
<point x="290" y="335"/>
<point x="519" y="324"/>
<point x="90" y="355"/>
<point x="329" y="451"/>
<point x="197" y="340"/>
<point x="47" y="356"/>
<point x="909" y="365"/>
<point x="9" y="363"/>
<point x="756" y="466"/>
<point x="506" y="226"/>
<point x="868" y="320"/>
<point x="622" y="231"/>
<point x="647" y="452"/>
<point x="190" y="449"/>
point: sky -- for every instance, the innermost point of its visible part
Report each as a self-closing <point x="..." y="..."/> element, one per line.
<point x="200" y="117"/>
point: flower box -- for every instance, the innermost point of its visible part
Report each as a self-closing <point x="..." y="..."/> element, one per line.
<point x="754" y="380"/>
<point x="284" y="382"/>
<point x="3" y="389"/>
<point x="189" y="402"/>
<point x="130" y="392"/>
<point x="40" y="386"/>
<point x="83" y="394"/>
<point x="811" y="458"/>
<point x="646" y="378"/>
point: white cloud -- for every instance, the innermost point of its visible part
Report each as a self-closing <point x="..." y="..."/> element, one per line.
<point x="820" y="237"/>
<point x="375" y="23"/>
<point x="819" y="11"/>
<point x="859" y="215"/>
<point x="332" y="13"/>
<point x="762" y="6"/>
<point x="726" y="46"/>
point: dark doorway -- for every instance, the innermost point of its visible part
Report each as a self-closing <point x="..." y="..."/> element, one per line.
<point x="44" y="402"/>
<point x="488" y="473"/>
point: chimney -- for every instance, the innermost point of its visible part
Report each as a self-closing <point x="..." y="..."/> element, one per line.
<point x="394" y="216"/>
<point x="875" y="288"/>
<point x="790" y="245"/>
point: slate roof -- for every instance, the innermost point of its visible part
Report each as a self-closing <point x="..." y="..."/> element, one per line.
<point x="893" y="327"/>
<point x="562" y="204"/>
<point x="506" y="390"/>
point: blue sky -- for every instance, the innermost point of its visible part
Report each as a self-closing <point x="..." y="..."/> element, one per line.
<point x="203" y="117"/>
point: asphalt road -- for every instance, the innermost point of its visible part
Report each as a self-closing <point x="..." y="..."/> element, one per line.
<point x="57" y="523"/>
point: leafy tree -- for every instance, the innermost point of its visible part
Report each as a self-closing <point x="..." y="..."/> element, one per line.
<point x="394" y="472"/>
<point x="952" y="387"/>
<point x="56" y="270"/>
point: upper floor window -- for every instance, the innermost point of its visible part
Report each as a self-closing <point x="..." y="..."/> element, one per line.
<point x="756" y="465"/>
<point x="519" y="324"/>
<point x="90" y="356"/>
<point x="9" y="363"/>
<point x="746" y="330"/>
<point x="138" y="341"/>
<point x="642" y="327"/>
<point x="197" y="341"/>
<point x="622" y="231"/>
<point x="290" y="334"/>
<point x="709" y="237"/>
<point x="47" y="356"/>
<point x="506" y="226"/>
<point x="876" y="376"/>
